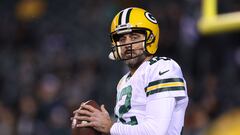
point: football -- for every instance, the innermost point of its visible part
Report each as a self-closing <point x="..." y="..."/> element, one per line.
<point x="87" y="130"/>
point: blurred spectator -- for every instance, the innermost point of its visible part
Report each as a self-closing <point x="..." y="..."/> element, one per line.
<point x="59" y="121"/>
<point x="196" y="121"/>
<point x="26" y="124"/>
<point x="7" y="121"/>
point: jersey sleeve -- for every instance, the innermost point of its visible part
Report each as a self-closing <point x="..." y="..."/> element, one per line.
<point x="165" y="79"/>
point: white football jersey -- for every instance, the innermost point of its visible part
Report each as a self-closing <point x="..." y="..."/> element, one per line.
<point x="155" y="79"/>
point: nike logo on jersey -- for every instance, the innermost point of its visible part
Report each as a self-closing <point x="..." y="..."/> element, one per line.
<point x="161" y="73"/>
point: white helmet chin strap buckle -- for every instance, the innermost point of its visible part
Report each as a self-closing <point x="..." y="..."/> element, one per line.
<point x="115" y="54"/>
<point x="110" y="56"/>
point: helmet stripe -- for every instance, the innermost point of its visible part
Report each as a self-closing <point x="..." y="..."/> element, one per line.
<point x="128" y="15"/>
<point x="125" y="16"/>
<point x="123" y="20"/>
<point x="120" y="18"/>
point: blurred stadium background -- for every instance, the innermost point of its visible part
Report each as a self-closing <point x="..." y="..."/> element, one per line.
<point x="53" y="56"/>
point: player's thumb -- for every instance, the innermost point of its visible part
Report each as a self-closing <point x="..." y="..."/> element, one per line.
<point x="103" y="109"/>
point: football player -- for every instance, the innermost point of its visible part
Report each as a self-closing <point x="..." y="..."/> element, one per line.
<point x="152" y="96"/>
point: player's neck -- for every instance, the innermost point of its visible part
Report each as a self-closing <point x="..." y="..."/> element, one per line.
<point x="133" y="69"/>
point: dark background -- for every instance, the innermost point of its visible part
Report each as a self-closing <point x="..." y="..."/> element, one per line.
<point x="54" y="55"/>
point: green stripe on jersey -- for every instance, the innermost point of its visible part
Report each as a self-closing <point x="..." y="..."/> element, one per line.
<point x="181" y="88"/>
<point x="164" y="81"/>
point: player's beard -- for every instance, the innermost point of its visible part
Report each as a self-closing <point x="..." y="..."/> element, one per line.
<point x="134" y="63"/>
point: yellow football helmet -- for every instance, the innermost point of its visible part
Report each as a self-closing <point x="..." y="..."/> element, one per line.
<point x="130" y="20"/>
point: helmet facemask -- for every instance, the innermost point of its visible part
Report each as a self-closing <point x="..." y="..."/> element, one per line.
<point x="127" y="51"/>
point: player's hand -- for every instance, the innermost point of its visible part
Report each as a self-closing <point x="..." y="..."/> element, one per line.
<point x="98" y="119"/>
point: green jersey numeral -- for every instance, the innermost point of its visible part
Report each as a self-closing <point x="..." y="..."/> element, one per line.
<point x="127" y="91"/>
<point x="155" y="59"/>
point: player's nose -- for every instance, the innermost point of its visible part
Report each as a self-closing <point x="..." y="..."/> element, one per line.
<point x="127" y="47"/>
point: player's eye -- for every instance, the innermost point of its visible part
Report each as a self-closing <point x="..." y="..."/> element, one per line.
<point x="122" y="40"/>
<point x="135" y="37"/>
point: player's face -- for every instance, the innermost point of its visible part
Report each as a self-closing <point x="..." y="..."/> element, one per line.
<point x="133" y="48"/>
